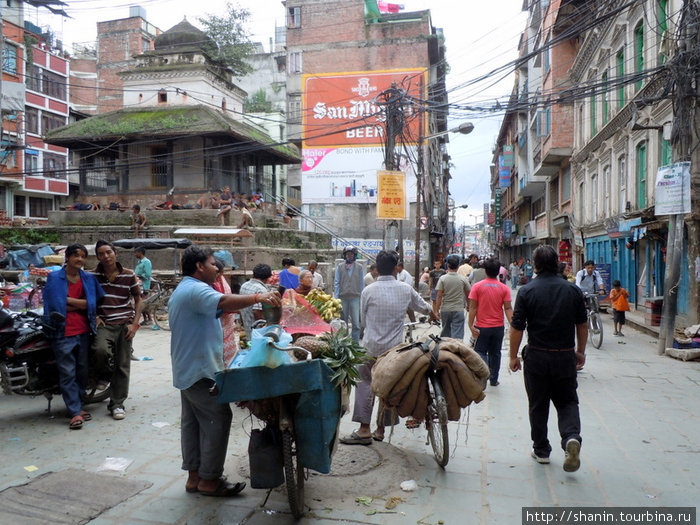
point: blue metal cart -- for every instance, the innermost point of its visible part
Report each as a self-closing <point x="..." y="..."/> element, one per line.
<point x="306" y="408"/>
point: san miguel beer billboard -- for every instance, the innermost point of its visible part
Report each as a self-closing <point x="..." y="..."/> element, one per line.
<point x="343" y="133"/>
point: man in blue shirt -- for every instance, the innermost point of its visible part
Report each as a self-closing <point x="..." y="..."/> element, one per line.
<point x="143" y="271"/>
<point x="196" y="350"/>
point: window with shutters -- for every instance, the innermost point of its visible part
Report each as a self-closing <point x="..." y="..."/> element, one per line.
<point x="641" y="175"/>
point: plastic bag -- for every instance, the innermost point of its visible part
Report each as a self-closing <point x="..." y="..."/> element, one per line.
<point x="298" y="316"/>
<point x="263" y="354"/>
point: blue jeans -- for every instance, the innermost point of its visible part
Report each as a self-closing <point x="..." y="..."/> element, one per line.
<point x="452" y="324"/>
<point x="72" y="361"/>
<point x="514" y="281"/>
<point x="351" y="314"/>
<point x="488" y="346"/>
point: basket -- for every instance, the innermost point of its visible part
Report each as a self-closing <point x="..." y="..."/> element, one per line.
<point x="53" y="259"/>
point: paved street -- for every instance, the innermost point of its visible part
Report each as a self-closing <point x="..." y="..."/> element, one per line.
<point x="640" y="448"/>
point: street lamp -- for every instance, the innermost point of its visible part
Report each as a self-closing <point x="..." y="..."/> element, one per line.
<point x="464" y="128"/>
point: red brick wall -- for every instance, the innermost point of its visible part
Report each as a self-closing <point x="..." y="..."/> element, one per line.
<point x="117" y="42"/>
<point x="83" y="91"/>
<point x="335" y="38"/>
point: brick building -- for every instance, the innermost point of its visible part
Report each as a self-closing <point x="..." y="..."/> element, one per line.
<point x="329" y="43"/>
<point x="531" y="167"/>
<point x="182" y="126"/>
<point x="118" y="42"/>
<point x="35" y="88"/>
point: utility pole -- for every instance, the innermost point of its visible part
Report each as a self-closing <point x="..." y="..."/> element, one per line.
<point x="685" y="71"/>
<point x="393" y="102"/>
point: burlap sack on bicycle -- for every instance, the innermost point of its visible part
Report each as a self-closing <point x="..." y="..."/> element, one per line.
<point x="398" y="378"/>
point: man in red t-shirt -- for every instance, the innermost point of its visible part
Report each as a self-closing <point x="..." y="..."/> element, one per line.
<point x="73" y="294"/>
<point x="489" y="299"/>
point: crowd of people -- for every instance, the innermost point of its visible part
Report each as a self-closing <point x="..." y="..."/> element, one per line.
<point x="100" y="311"/>
<point x="224" y="202"/>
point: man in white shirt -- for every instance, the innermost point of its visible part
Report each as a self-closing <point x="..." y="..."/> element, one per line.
<point x="318" y="278"/>
<point x="589" y="279"/>
<point x="405" y="277"/>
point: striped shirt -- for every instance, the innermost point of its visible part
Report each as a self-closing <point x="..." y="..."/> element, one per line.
<point x="117" y="306"/>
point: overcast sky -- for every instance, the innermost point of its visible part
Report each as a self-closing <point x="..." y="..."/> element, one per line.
<point x="480" y="36"/>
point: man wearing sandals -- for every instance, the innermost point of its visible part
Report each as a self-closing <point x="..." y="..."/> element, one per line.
<point x="383" y="309"/>
<point x="196" y="353"/>
<point x="72" y="293"/>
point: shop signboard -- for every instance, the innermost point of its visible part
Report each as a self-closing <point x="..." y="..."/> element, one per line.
<point x="672" y="196"/>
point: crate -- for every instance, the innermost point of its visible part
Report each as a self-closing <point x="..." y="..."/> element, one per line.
<point x="653" y="304"/>
<point x="652" y="319"/>
<point x="53" y="259"/>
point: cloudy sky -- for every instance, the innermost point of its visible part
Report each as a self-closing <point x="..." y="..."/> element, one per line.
<point x="480" y="37"/>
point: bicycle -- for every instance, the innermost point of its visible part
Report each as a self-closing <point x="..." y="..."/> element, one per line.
<point x="595" y="323"/>
<point x="413" y="326"/>
<point x="156" y="304"/>
<point x="436" y="411"/>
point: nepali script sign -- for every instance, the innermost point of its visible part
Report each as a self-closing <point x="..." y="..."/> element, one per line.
<point x="391" y="199"/>
<point x="672" y="196"/>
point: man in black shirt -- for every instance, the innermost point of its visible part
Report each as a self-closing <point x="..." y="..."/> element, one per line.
<point x="552" y="310"/>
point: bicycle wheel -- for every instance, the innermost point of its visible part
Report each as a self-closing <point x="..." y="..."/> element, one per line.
<point x="160" y="312"/>
<point x="436" y="422"/>
<point x="595" y="328"/>
<point x="293" y="475"/>
<point x="160" y="316"/>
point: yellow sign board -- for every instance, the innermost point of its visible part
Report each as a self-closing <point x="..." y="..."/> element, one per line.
<point x="391" y="195"/>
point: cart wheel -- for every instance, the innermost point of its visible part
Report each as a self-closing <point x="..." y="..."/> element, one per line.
<point x="436" y="422"/>
<point x="293" y="475"/>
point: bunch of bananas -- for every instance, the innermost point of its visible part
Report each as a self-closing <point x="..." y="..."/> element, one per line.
<point x="327" y="307"/>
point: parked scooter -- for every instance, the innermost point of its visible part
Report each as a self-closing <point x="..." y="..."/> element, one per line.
<point x="27" y="363"/>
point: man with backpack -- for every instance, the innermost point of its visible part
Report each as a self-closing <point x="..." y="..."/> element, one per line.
<point x="589" y="279"/>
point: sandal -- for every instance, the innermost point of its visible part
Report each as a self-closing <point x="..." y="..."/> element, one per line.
<point x="76" y="422"/>
<point x="377" y="437"/>
<point x="224" y="490"/>
<point x="355" y="439"/>
<point x="87" y="416"/>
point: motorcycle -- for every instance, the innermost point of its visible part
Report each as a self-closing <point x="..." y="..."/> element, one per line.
<point x="27" y="363"/>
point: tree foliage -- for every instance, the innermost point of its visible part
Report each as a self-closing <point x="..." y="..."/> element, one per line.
<point x="257" y="102"/>
<point x="230" y="43"/>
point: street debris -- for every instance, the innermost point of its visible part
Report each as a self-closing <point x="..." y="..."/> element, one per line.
<point x="115" y="464"/>
<point x="364" y="500"/>
<point x="393" y="502"/>
<point x="409" y="485"/>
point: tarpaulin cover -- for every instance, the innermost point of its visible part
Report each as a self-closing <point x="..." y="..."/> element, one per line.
<point x="22" y="258"/>
<point x="152" y="244"/>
